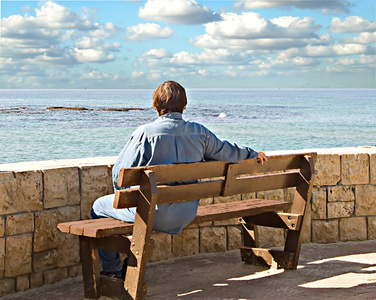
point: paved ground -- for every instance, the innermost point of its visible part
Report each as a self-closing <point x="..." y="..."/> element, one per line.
<point x="334" y="271"/>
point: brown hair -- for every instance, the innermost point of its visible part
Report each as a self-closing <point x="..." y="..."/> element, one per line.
<point x="169" y="97"/>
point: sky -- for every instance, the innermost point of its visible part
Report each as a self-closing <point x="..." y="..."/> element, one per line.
<point x="200" y="44"/>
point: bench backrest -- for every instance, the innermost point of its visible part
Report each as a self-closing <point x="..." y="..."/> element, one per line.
<point x="190" y="181"/>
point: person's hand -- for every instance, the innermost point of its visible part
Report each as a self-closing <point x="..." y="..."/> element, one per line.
<point x="261" y="157"/>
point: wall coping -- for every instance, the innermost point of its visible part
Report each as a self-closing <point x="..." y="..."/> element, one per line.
<point x="110" y="160"/>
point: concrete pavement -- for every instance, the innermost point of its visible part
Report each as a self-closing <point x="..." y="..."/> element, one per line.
<point x="331" y="271"/>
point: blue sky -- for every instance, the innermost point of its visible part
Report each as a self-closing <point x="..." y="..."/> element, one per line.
<point x="201" y="44"/>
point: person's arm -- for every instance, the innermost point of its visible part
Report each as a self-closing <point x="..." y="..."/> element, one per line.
<point x="132" y="155"/>
<point x="217" y="149"/>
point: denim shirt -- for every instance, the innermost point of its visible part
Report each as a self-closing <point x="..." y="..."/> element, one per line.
<point x="170" y="139"/>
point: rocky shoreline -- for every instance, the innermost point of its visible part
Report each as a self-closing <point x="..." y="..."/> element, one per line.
<point x="74" y="108"/>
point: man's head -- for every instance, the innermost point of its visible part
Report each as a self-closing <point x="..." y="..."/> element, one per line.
<point x="169" y="97"/>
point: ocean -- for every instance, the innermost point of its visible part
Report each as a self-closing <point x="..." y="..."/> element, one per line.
<point x="263" y="119"/>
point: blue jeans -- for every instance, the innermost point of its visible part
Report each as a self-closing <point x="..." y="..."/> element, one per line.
<point x="168" y="218"/>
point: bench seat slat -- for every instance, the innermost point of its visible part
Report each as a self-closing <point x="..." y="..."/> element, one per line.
<point x="96" y="228"/>
<point x="237" y="209"/>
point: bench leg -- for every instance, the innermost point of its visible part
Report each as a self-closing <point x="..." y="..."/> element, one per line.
<point x="90" y="268"/>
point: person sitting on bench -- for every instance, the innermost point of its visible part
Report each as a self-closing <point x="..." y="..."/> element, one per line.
<point x="168" y="140"/>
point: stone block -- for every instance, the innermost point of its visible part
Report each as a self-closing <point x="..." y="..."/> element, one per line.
<point x="248" y="196"/>
<point x="371" y="228"/>
<point x="162" y="246"/>
<point x="341" y="193"/>
<point x="324" y="232"/>
<point x="227" y="199"/>
<point x="353" y="229"/>
<point x="2" y="226"/>
<point x="68" y="250"/>
<point x="307" y="226"/>
<point x="206" y="201"/>
<point x="94" y="184"/>
<point x="18" y="224"/>
<point x="271" y="237"/>
<point x="46" y="235"/>
<point x="340" y="209"/>
<point x="228" y="222"/>
<point x="20" y="192"/>
<point x="318" y="209"/>
<point x="61" y="187"/>
<point x="328" y="168"/>
<point x="355" y="169"/>
<point x="18" y="255"/>
<point x="22" y="283"/>
<point x="75" y="271"/>
<point x="36" y="280"/>
<point x="271" y="195"/>
<point x="365" y="196"/>
<point x="45" y="260"/>
<point x="2" y="257"/>
<point x="289" y="194"/>
<point x="55" y="275"/>
<point x="186" y="243"/>
<point x="213" y="239"/>
<point x="234" y="237"/>
<point x="7" y="286"/>
<point x="372" y="162"/>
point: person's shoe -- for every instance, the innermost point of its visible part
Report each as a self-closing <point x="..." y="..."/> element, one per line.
<point x="116" y="274"/>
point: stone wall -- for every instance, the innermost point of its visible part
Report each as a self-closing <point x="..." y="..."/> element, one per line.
<point x="36" y="196"/>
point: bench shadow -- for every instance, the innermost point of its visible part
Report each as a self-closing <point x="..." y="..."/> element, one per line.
<point x="336" y="271"/>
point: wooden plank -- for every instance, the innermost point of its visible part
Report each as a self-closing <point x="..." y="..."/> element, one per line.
<point x="190" y="171"/>
<point x="276" y="220"/>
<point x="141" y="247"/>
<point x="266" y="182"/>
<point x="208" y="189"/>
<point x="174" y="172"/>
<point x="97" y="227"/>
<point x="237" y="209"/>
<point x="90" y="268"/>
<point x="76" y="227"/>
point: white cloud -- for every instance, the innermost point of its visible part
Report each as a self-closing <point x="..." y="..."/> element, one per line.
<point x="349" y="49"/>
<point x="352" y="24"/>
<point x="177" y="11"/>
<point x="51" y="15"/>
<point x="91" y="55"/>
<point x="105" y="31"/>
<point x="252" y="25"/>
<point x="137" y="74"/>
<point x="148" y="31"/>
<point x="56" y="36"/>
<point x="362" y="38"/>
<point x="327" y="7"/>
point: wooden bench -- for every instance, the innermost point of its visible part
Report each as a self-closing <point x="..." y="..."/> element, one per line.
<point x="207" y="179"/>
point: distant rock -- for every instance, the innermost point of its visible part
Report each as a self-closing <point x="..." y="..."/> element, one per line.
<point x="99" y="109"/>
<point x="11" y="110"/>
<point x="120" y="109"/>
<point x="65" y="108"/>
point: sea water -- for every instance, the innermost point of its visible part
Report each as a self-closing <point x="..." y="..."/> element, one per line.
<point x="263" y="119"/>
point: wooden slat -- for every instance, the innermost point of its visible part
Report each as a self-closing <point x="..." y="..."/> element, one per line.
<point x="237" y="209"/>
<point x="96" y="227"/>
<point x="188" y="192"/>
<point x="190" y="171"/>
<point x="174" y="172"/>
<point x="277" y="220"/>
<point x="266" y="182"/>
